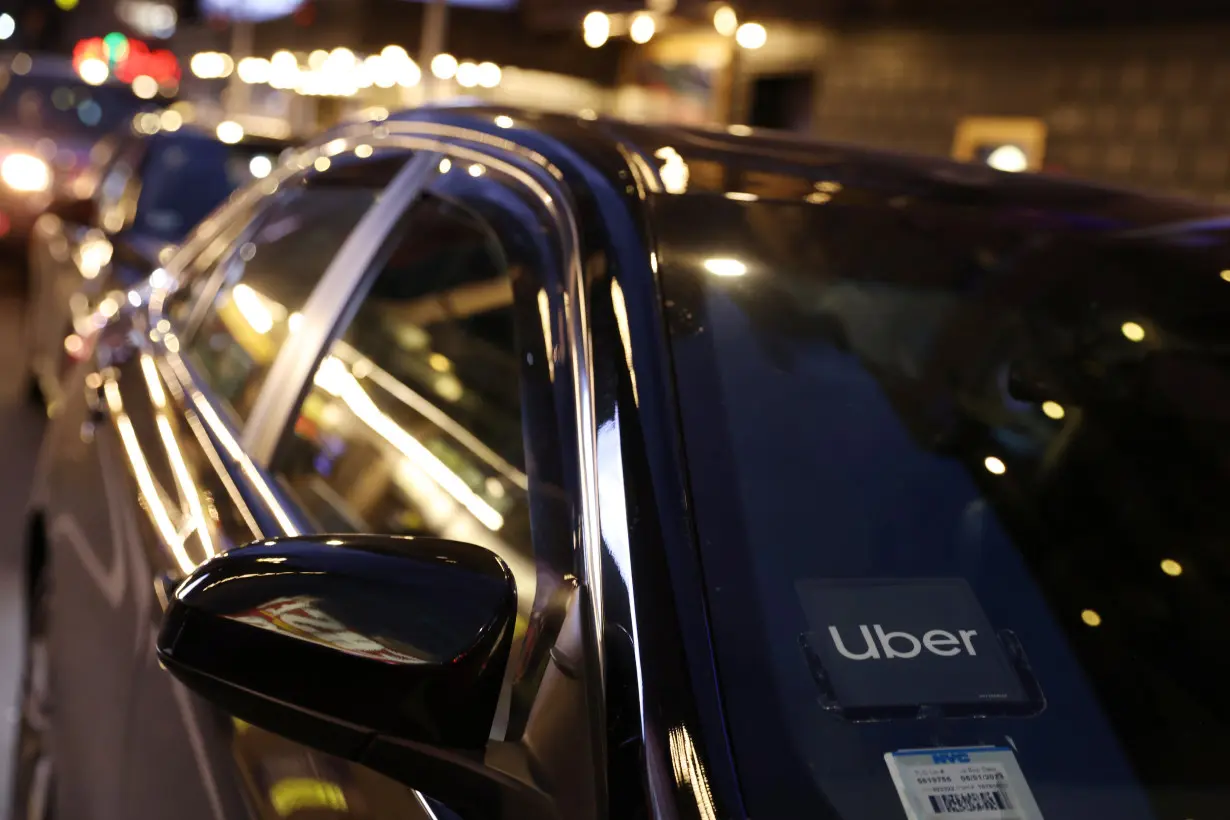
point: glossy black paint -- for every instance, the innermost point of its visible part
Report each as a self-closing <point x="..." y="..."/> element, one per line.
<point x="661" y="700"/>
<point x="660" y="688"/>
<point x="411" y="636"/>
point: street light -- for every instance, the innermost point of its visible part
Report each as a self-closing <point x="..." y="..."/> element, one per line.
<point x="642" y="29"/>
<point x="596" y="28"/>
<point x="444" y="66"/>
<point x="230" y="132"/>
<point x="93" y="71"/>
<point x="489" y="75"/>
<point x="751" y="36"/>
<point x="467" y="75"/>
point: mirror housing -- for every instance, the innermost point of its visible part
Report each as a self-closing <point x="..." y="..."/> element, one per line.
<point x="383" y="650"/>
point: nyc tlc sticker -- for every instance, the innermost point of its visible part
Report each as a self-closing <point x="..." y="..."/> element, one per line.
<point x="979" y="783"/>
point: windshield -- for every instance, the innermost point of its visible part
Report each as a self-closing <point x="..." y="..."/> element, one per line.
<point x="59" y="106"/>
<point x="184" y="179"/>
<point x="958" y="477"/>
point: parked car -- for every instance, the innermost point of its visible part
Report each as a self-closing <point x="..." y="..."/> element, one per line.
<point x="150" y="187"/>
<point x="49" y="120"/>
<point x="560" y="468"/>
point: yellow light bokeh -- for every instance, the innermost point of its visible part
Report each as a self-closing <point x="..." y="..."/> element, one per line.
<point x="1132" y="331"/>
<point x="1172" y="567"/>
<point x="1053" y="410"/>
<point x="1091" y="618"/>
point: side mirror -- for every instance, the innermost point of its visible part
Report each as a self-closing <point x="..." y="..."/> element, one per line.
<point x="383" y="650"/>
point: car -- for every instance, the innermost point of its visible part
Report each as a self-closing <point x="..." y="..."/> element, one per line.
<point x="49" y="120"/>
<point x="149" y="188"/>
<point x="490" y="463"/>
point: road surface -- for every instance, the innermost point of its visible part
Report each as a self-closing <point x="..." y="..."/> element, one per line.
<point x="21" y="428"/>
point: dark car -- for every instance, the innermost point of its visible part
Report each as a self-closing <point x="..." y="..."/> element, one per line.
<point x="148" y="188"/>
<point x="50" y="120"/>
<point x="595" y="470"/>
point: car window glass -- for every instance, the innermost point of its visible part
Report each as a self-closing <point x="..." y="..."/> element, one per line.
<point x="435" y="339"/>
<point x="58" y="106"/>
<point x="957" y="481"/>
<point x="413" y="422"/>
<point x="198" y="273"/>
<point x="269" y="277"/>
<point x="184" y="178"/>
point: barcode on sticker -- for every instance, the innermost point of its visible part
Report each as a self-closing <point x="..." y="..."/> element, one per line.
<point x="996" y="800"/>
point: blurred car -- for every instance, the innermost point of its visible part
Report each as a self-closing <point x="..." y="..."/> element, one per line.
<point x="149" y="190"/>
<point x="588" y="470"/>
<point x="49" y="120"/>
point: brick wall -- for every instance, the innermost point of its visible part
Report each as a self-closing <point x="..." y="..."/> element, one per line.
<point x="1147" y="108"/>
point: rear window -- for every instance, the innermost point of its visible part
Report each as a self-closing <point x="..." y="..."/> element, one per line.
<point x="184" y="179"/>
<point x="62" y="106"/>
<point x="958" y="477"/>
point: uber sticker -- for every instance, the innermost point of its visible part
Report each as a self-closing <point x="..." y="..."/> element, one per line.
<point x="882" y="649"/>
<point x="980" y="783"/>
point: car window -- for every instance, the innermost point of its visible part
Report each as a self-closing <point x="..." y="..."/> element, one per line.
<point x="58" y="106"/>
<point x="264" y="279"/>
<point x="197" y="274"/>
<point x="413" y="422"/>
<point x="183" y="179"/>
<point x="957" y="479"/>
<point x="434" y="342"/>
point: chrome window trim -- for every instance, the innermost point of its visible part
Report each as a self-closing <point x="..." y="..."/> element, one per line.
<point x="220" y="265"/>
<point x="576" y="316"/>
<point x="212" y="226"/>
<point x="294" y="364"/>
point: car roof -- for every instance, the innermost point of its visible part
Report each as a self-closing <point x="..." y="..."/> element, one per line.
<point x="192" y="131"/>
<point x="53" y="67"/>
<point x="762" y="164"/>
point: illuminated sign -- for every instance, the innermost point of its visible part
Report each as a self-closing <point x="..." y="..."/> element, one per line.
<point x="492" y="5"/>
<point x="128" y="59"/>
<point x="149" y="18"/>
<point x="252" y="10"/>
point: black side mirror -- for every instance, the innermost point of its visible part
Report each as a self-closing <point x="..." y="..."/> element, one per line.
<point x="382" y="650"/>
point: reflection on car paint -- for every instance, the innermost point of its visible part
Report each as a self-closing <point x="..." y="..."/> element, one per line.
<point x="300" y="617"/>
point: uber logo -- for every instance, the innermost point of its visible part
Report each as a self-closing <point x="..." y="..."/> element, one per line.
<point x="884" y="648"/>
<point x="937" y="641"/>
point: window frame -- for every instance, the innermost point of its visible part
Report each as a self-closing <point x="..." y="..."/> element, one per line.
<point x="279" y="397"/>
<point x="294" y="366"/>
<point x="334" y="303"/>
<point x="247" y="207"/>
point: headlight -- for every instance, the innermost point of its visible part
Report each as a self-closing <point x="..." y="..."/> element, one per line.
<point x="25" y="173"/>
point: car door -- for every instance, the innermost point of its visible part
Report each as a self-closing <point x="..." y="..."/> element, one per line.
<point x="435" y="410"/>
<point x="139" y="483"/>
<point x="217" y="347"/>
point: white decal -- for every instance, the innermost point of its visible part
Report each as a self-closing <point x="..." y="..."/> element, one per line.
<point x="977" y="783"/>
